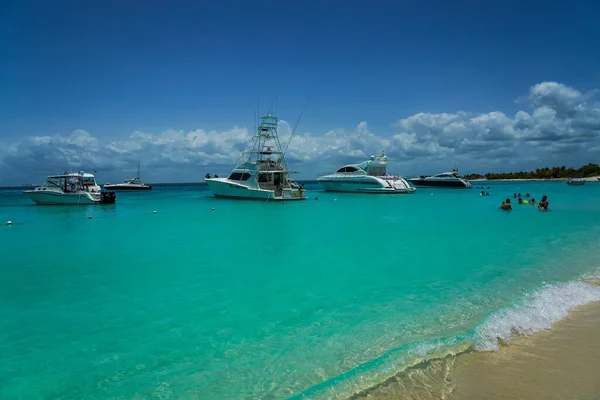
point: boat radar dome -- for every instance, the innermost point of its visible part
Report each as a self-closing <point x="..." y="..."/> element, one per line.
<point x="372" y="158"/>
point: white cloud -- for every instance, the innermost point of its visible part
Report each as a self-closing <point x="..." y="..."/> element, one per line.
<point x="560" y="123"/>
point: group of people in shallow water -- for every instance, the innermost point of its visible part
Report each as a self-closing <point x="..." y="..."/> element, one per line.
<point x="542" y="205"/>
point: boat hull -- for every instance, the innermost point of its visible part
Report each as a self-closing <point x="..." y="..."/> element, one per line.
<point x="55" y="198"/>
<point x="439" y="183"/>
<point x="127" y="188"/>
<point x="364" y="184"/>
<point x="222" y="187"/>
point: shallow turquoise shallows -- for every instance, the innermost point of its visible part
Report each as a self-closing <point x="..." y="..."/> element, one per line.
<point x="314" y="299"/>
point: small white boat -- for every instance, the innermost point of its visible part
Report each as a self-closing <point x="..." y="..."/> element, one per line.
<point x="261" y="173"/>
<point x="70" y="189"/>
<point x="367" y="177"/>
<point x="129" y="184"/>
<point x="443" y="180"/>
<point x="575" y="182"/>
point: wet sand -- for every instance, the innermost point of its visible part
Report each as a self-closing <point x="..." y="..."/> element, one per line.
<point x="561" y="363"/>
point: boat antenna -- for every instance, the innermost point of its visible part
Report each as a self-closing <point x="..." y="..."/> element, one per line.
<point x="295" y="127"/>
<point x="138" y="175"/>
<point x="272" y="104"/>
<point x="257" y="112"/>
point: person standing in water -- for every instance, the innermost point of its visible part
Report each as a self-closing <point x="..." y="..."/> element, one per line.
<point x="506" y="205"/>
<point x="543" y="204"/>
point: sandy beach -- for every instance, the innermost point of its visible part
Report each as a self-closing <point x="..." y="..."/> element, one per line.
<point x="561" y="363"/>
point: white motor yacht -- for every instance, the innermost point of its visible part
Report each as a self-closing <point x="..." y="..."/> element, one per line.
<point x="70" y="189"/>
<point x="129" y="184"/>
<point x="575" y="182"/>
<point x="443" y="180"/>
<point x="367" y="177"/>
<point x="261" y="173"/>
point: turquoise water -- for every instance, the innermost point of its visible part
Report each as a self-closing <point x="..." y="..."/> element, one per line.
<point x="314" y="299"/>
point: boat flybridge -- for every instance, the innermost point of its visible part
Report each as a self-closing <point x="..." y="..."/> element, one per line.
<point x="261" y="173"/>
<point x="70" y="189"/>
<point x="443" y="180"/>
<point x="129" y="184"/>
<point x="367" y="177"/>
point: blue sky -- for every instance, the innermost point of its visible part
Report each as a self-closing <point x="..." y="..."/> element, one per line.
<point x="102" y="85"/>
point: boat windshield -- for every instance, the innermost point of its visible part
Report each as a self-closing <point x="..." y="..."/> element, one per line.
<point x="348" y="169"/>
<point x="239" y="176"/>
<point x="89" y="181"/>
<point x="445" y="175"/>
<point x="65" y="183"/>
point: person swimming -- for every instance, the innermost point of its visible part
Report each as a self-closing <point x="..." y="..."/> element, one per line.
<point x="543" y="204"/>
<point x="520" y="201"/>
<point x="506" y="205"/>
<point x="532" y="201"/>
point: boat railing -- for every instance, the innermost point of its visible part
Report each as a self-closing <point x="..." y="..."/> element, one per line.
<point x="263" y="165"/>
<point x="355" y="173"/>
<point x="393" y="177"/>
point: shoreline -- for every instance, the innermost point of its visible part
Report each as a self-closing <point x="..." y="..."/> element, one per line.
<point x="560" y="362"/>
<point x="588" y="179"/>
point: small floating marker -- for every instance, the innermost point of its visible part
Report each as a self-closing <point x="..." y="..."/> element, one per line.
<point x="153" y="212"/>
<point x="8" y="222"/>
<point x="213" y="209"/>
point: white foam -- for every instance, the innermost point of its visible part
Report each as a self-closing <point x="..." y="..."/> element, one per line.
<point x="534" y="312"/>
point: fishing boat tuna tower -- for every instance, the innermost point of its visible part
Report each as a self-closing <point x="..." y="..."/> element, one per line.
<point x="261" y="173"/>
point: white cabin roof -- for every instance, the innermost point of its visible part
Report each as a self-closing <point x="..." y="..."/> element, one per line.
<point x="74" y="174"/>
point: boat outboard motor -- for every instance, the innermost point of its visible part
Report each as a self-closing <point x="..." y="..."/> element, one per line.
<point x="107" y="197"/>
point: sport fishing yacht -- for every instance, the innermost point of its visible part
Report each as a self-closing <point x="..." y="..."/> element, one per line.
<point x="367" y="177"/>
<point x="70" y="189"/>
<point x="443" y="180"/>
<point x="129" y="184"/>
<point x="261" y="173"/>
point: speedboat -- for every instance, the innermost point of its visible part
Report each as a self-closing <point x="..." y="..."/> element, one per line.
<point x="367" y="177"/>
<point x="129" y="184"/>
<point x="575" y="182"/>
<point x="261" y="173"/>
<point x="71" y="189"/>
<point x="443" y="180"/>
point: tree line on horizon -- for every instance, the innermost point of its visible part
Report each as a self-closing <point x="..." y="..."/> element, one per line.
<point x="543" y="173"/>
